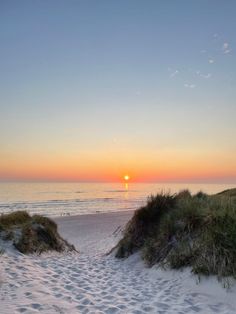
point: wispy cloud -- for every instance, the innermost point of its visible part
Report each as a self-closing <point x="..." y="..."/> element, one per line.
<point x="189" y="85"/>
<point x="212" y="55"/>
<point x="226" y="48"/>
<point x="173" y="74"/>
<point x="206" y="76"/>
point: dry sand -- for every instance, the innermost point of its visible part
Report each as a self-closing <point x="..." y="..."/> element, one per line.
<point x="91" y="282"/>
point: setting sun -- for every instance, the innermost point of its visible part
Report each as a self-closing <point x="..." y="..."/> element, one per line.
<point x="126" y="177"/>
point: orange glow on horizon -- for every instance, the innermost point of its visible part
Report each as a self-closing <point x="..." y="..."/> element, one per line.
<point x="165" y="167"/>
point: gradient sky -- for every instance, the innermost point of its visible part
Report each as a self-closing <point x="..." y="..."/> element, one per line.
<point x="91" y="90"/>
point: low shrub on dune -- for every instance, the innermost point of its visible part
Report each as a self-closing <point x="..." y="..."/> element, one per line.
<point x="229" y="192"/>
<point x="32" y="234"/>
<point x="144" y="223"/>
<point x="181" y="230"/>
<point x="13" y="219"/>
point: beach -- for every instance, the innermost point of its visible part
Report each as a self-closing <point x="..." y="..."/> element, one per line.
<point x="90" y="281"/>
<point x="117" y="157"/>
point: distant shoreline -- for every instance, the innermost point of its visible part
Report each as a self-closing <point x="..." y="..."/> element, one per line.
<point x="105" y="214"/>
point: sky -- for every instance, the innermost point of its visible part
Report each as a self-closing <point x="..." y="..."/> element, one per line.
<point x="93" y="90"/>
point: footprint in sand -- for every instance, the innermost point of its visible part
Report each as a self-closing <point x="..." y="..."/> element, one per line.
<point x="22" y="310"/>
<point x="36" y="306"/>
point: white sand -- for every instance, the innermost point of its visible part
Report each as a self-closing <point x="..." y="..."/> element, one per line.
<point x="91" y="282"/>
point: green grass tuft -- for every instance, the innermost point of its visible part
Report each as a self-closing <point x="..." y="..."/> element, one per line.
<point x="182" y="230"/>
<point x="144" y="223"/>
<point x="13" y="219"/>
<point x="32" y="234"/>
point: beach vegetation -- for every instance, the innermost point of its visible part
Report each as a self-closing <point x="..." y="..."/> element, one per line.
<point x="13" y="219"/>
<point x="180" y="230"/>
<point x="32" y="234"/>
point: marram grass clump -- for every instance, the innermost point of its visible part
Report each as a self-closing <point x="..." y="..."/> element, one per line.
<point x="13" y="219"/>
<point x="32" y="234"/>
<point x="198" y="231"/>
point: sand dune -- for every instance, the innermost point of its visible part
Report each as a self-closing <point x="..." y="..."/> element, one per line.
<point x="91" y="282"/>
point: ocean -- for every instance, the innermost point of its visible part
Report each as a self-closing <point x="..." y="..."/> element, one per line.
<point x="59" y="199"/>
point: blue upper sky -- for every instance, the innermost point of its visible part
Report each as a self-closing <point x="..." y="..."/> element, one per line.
<point x="153" y="76"/>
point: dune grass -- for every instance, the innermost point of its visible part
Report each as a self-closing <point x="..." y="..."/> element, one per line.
<point x="182" y="230"/>
<point x="13" y="219"/>
<point x="32" y="234"/>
